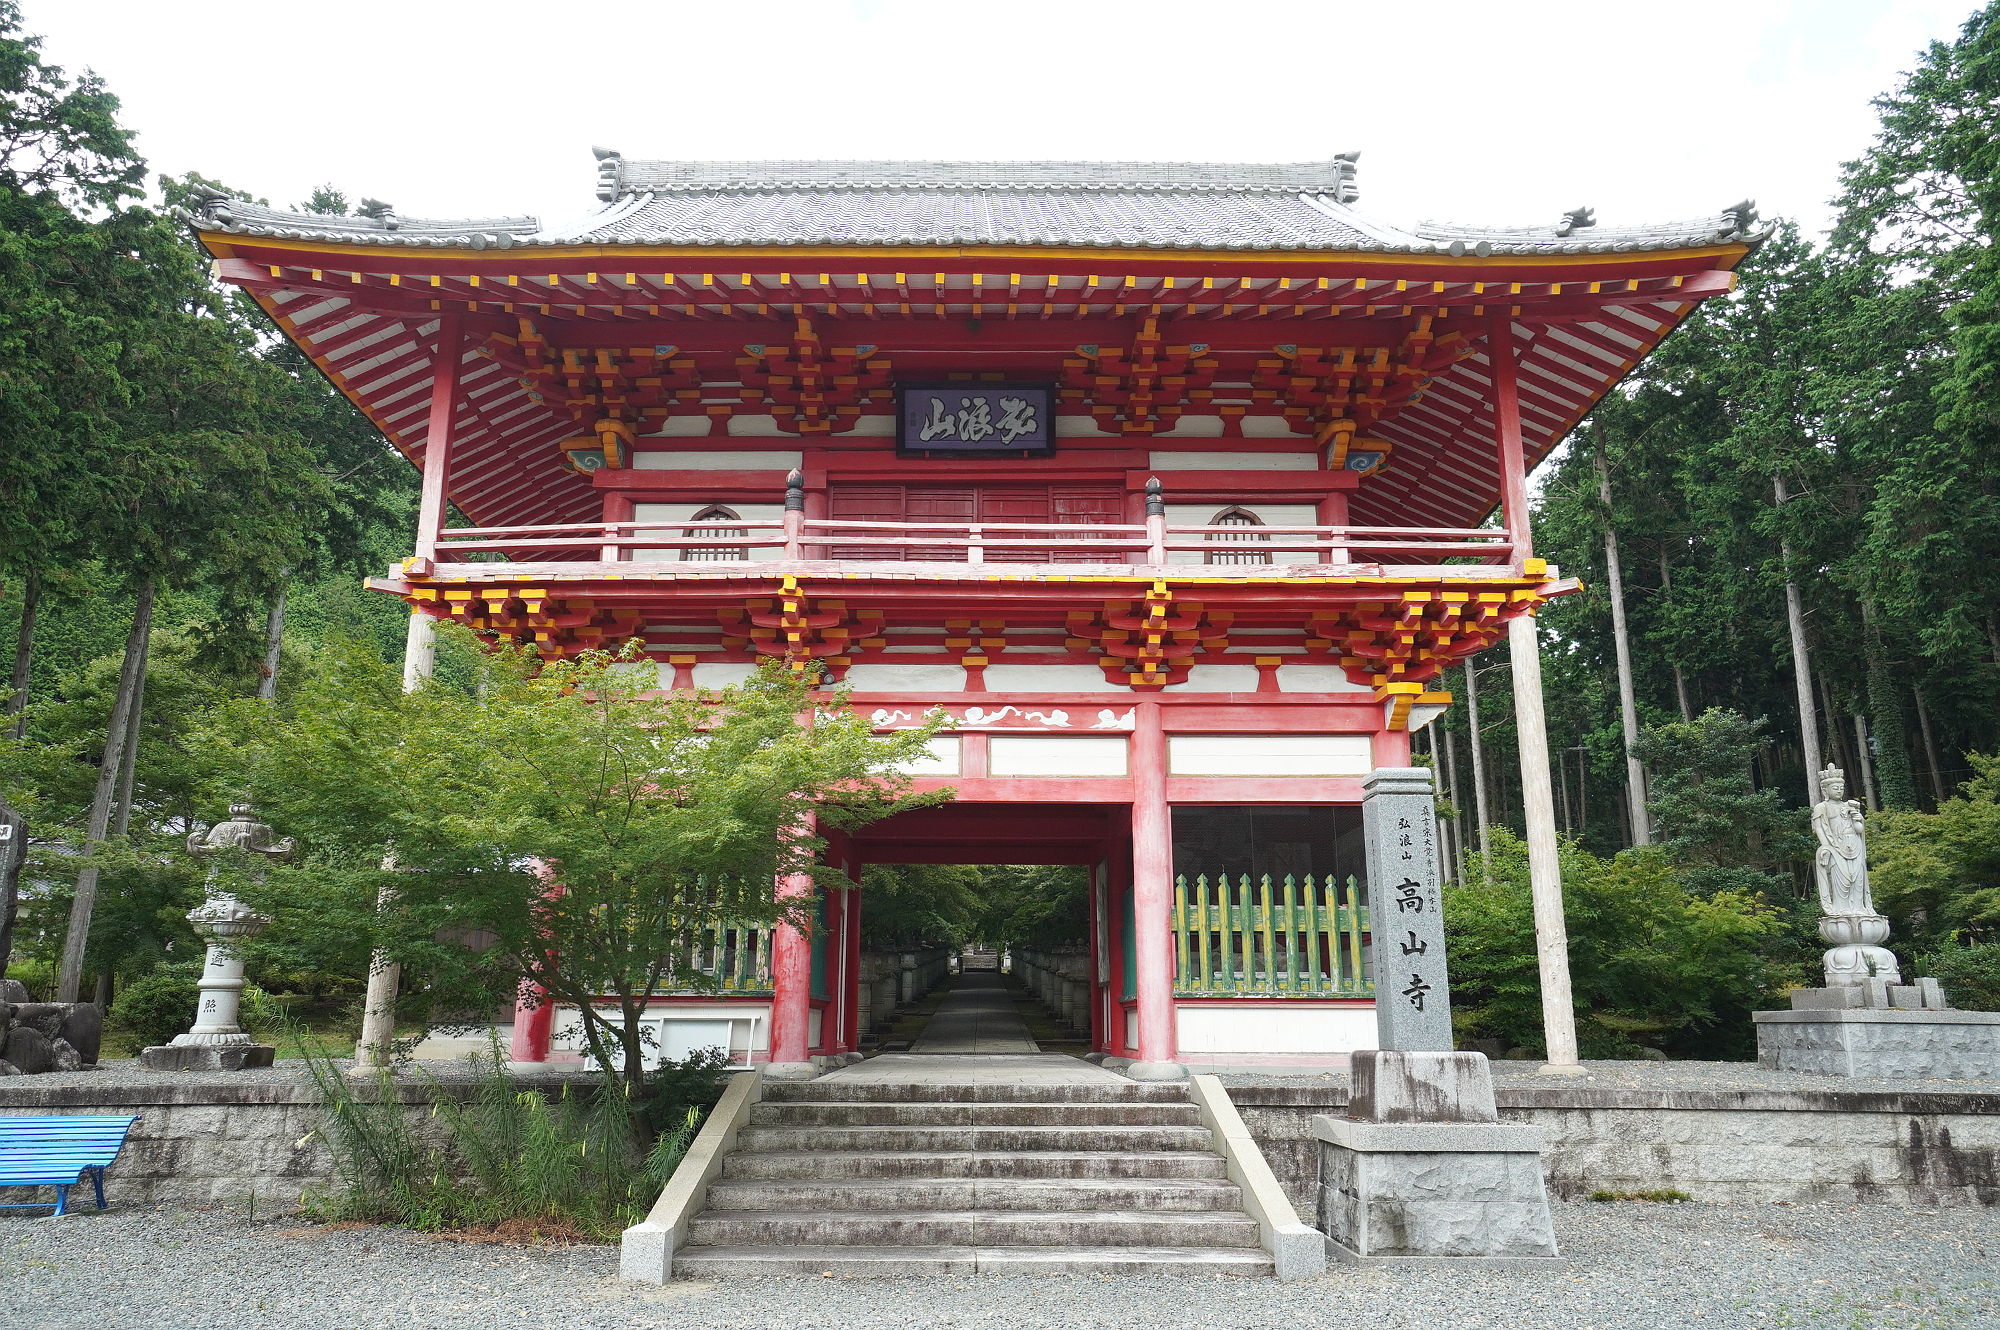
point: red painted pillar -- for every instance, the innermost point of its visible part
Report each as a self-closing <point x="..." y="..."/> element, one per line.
<point x="447" y="394"/>
<point x="1500" y="356"/>
<point x="1152" y="901"/>
<point x="534" y="1025"/>
<point x="1392" y="748"/>
<point x="791" y="982"/>
<point x="850" y="1026"/>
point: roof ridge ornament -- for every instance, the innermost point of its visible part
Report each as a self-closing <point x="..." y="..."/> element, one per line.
<point x="378" y="211"/>
<point x="610" y="172"/>
<point x="1345" y="165"/>
<point x="1742" y="217"/>
<point x="1576" y="219"/>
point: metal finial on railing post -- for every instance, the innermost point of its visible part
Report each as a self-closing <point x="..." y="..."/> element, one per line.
<point x="795" y="514"/>
<point x="1156" y="522"/>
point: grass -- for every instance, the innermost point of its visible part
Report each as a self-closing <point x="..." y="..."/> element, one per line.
<point x="1666" y="1194"/>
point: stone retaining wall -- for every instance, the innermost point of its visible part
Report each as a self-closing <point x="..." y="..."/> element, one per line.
<point x="250" y="1143"/>
<point x="206" y="1142"/>
<point x="1716" y="1145"/>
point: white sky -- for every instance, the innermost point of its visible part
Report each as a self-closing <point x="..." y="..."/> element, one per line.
<point x="1469" y="110"/>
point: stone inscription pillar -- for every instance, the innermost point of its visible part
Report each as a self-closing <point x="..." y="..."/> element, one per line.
<point x="1406" y="908"/>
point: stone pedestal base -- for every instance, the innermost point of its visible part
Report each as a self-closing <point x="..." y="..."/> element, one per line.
<point x="206" y="1057"/>
<point x="1432" y="1189"/>
<point x="1876" y="1041"/>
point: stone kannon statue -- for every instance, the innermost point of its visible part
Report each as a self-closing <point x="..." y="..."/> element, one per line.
<point x="216" y="1042"/>
<point x="1840" y="869"/>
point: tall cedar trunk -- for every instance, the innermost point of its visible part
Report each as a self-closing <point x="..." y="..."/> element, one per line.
<point x="274" y="636"/>
<point x="1866" y="756"/>
<point x="24" y="660"/>
<point x="1839" y="751"/>
<point x="1802" y="675"/>
<point x="1628" y="707"/>
<point x="1930" y="748"/>
<point x="1893" y="772"/>
<point x="70" y="976"/>
<point x="1457" y="822"/>
<point x="1478" y="766"/>
<point x="121" y="809"/>
<point x="1681" y="697"/>
<point x="13" y="831"/>
<point x="1562" y="788"/>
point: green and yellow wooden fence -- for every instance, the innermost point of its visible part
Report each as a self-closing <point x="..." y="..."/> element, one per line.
<point x="1295" y="937"/>
<point x="738" y="955"/>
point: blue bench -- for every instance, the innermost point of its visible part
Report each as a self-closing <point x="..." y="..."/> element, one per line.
<point x="59" y="1153"/>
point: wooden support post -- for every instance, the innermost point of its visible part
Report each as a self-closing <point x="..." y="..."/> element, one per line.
<point x="446" y="396"/>
<point x="1544" y="868"/>
<point x="1152" y="900"/>
<point x="1507" y="436"/>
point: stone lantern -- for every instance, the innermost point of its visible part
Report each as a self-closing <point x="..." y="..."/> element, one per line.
<point x="216" y="1042"/>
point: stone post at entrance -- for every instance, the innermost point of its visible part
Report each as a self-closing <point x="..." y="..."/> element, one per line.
<point x="1420" y="1167"/>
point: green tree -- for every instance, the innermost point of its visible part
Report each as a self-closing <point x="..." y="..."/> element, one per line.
<point x="1715" y="824"/>
<point x="561" y="824"/>
<point x="1938" y="874"/>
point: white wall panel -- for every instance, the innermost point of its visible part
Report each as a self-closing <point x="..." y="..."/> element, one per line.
<point x="1034" y="755"/>
<point x="1269" y="754"/>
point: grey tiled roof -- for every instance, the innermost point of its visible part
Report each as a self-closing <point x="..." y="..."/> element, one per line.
<point x="1112" y="205"/>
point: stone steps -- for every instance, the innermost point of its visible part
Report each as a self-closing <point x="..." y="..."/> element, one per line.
<point x="838" y="1194"/>
<point x="1160" y="1165"/>
<point x="927" y="1178"/>
<point x="973" y="1228"/>
<point x="973" y="1092"/>
<point x="738" y="1262"/>
<point x="974" y="1115"/>
<point x="1069" y="1137"/>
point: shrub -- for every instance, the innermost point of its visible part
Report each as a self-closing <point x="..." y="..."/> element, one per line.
<point x="154" y="1008"/>
<point x="1970" y="975"/>
<point x="1652" y="961"/>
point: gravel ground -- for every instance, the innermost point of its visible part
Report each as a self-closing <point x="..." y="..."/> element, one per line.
<point x="1631" y="1266"/>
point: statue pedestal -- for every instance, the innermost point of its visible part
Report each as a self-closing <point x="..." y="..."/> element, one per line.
<point x="206" y="1057"/>
<point x="1900" y="1040"/>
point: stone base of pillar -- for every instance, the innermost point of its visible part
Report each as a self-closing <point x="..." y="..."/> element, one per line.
<point x="1154" y="1071"/>
<point x="206" y="1057"/>
<point x="790" y="1071"/>
<point x="1425" y="1171"/>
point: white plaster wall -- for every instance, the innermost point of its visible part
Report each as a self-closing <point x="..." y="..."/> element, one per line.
<point x="1247" y="460"/>
<point x="1269" y="754"/>
<point x="1217" y="679"/>
<point x="747" y="1035"/>
<point x="1276" y="1027"/>
<point x="1317" y="679"/>
<point x="941" y="758"/>
<point x="1036" y="755"/>
<point x="677" y="460"/>
<point x="666" y="513"/>
<point x="906" y="678"/>
<point x="1049" y="679"/>
<point x="721" y="673"/>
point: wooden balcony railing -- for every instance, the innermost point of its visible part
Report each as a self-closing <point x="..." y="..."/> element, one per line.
<point x="798" y="538"/>
<point x="1235" y="936"/>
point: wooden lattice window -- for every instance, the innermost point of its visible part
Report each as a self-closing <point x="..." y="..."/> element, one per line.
<point x="715" y="553"/>
<point x="1236" y="519"/>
